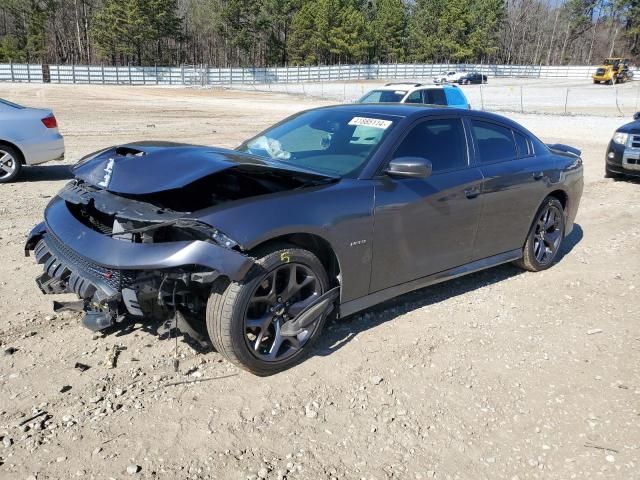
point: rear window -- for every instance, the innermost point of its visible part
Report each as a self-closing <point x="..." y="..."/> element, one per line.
<point x="383" y="96"/>
<point x="495" y="142"/>
<point x="6" y="104"/>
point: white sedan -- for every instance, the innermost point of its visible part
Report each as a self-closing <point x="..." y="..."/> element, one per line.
<point x="28" y="136"/>
<point x="448" y="77"/>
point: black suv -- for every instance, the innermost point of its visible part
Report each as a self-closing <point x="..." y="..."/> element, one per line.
<point x="623" y="153"/>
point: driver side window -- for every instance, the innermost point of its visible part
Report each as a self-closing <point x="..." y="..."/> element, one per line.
<point x="440" y="141"/>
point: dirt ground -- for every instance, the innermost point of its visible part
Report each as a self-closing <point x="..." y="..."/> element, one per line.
<point x="497" y="375"/>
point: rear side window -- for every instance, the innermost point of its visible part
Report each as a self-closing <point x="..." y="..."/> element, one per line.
<point x="441" y="141"/>
<point x="523" y="145"/>
<point x="434" y="96"/>
<point x="495" y="142"/>
<point x="414" y="97"/>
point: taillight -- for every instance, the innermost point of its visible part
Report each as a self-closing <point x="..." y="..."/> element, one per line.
<point x="50" y="121"/>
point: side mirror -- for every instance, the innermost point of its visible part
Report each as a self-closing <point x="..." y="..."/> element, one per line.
<point x="636" y="116"/>
<point x="409" y="167"/>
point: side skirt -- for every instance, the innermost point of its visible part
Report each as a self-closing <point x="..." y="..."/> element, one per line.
<point x="353" y="306"/>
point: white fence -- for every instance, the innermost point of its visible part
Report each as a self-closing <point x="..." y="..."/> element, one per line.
<point x="204" y="76"/>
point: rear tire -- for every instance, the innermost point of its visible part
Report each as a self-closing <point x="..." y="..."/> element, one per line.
<point x="544" y="238"/>
<point x="240" y="318"/>
<point x="10" y="164"/>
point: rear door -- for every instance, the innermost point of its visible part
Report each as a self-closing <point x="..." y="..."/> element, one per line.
<point x="423" y="226"/>
<point x="514" y="184"/>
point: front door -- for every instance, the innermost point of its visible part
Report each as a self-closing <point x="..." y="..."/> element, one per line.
<point x="423" y="226"/>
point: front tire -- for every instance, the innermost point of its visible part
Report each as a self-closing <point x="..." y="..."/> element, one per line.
<point x="610" y="174"/>
<point x="244" y="320"/>
<point x="10" y="164"/>
<point x="545" y="237"/>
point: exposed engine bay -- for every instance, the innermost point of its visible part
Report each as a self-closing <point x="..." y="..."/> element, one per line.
<point x="151" y="216"/>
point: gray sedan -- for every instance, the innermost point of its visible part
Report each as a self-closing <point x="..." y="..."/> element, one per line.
<point x="338" y="208"/>
<point x="28" y="136"/>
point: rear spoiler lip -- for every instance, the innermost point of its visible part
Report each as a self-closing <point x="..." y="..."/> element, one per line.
<point x="564" y="149"/>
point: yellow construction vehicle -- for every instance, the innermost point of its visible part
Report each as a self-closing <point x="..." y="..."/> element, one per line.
<point x="613" y="70"/>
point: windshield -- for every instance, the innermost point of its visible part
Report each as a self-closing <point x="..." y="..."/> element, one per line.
<point x="335" y="143"/>
<point x="383" y="96"/>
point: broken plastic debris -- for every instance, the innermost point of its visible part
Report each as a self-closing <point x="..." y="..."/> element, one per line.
<point x="81" y="366"/>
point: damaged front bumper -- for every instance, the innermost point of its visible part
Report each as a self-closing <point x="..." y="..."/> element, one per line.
<point x="118" y="278"/>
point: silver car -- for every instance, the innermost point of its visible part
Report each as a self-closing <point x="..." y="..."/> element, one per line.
<point x="28" y="136"/>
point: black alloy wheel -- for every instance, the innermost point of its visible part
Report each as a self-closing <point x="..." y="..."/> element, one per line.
<point x="283" y="293"/>
<point x="545" y="237"/>
<point x="245" y="319"/>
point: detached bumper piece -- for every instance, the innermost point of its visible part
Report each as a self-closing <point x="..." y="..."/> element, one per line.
<point x="67" y="272"/>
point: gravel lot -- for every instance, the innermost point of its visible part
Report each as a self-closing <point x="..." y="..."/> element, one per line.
<point x="498" y="375"/>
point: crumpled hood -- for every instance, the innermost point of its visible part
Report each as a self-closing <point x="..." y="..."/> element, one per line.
<point x="150" y="167"/>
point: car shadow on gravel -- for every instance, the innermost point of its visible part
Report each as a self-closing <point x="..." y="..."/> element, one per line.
<point x="635" y="180"/>
<point x="340" y="332"/>
<point x="46" y="173"/>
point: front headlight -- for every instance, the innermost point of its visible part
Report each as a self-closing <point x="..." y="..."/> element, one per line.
<point x="620" y="138"/>
<point x="221" y="239"/>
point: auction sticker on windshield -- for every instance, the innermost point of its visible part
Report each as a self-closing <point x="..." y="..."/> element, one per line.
<point x="371" y="122"/>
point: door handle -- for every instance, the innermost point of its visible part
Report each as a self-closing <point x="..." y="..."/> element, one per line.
<point x="472" y="192"/>
<point x="537" y="175"/>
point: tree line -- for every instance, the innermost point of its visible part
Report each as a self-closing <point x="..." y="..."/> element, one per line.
<point x="231" y="33"/>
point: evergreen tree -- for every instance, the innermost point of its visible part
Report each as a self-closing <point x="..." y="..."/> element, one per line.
<point x="424" y="30"/>
<point x="485" y="17"/>
<point x="28" y="43"/>
<point x="390" y="30"/>
<point x="124" y="29"/>
<point x="110" y="30"/>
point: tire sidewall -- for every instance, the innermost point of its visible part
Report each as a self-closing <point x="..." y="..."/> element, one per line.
<point x="265" y="265"/>
<point x="549" y="201"/>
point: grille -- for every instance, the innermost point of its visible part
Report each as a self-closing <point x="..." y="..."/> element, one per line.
<point x="83" y="267"/>
<point x="634" y="141"/>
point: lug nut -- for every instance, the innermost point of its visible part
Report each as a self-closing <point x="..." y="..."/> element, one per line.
<point x="279" y="299"/>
